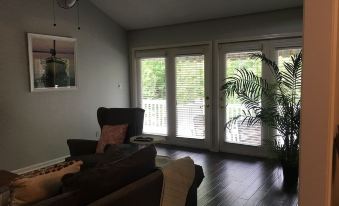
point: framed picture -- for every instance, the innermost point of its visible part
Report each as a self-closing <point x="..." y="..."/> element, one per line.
<point x="52" y="63"/>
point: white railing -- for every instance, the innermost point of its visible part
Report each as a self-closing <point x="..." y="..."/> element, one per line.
<point x="241" y="133"/>
<point x="155" y="119"/>
<point x="191" y="123"/>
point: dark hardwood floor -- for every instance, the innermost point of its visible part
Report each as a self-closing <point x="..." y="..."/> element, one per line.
<point x="235" y="180"/>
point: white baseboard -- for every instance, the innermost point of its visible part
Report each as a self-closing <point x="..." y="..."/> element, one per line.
<point x="40" y="165"/>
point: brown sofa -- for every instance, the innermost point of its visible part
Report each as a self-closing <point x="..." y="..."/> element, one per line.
<point x="131" y="180"/>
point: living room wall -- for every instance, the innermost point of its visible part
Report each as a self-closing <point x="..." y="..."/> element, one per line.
<point x="277" y="22"/>
<point x="34" y="126"/>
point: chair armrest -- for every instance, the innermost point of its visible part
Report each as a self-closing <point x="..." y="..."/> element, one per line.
<point x="79" y="147"/>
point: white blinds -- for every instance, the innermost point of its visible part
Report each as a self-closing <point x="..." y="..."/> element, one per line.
<point x="153" y="95"/>
<point x="190" y="96"/>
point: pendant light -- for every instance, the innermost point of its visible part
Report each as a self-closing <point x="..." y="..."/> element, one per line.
<point x="67" y="4"/>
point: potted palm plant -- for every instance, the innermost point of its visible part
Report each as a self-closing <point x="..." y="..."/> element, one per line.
<point x="274" y="103"/>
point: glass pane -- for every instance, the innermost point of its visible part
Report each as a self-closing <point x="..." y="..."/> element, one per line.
<point x="284" y="55"/>
<point x="153" y="95"/>
<point x="190" y="93"/>
<point x="240" y="133"/>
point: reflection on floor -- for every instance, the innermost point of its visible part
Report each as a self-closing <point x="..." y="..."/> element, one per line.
<point x="235" y="180"/>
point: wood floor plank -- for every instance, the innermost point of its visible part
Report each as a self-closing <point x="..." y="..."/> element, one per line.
<point x="236" y="180"/>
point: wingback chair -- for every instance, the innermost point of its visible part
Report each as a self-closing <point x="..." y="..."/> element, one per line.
<point x="134" y="117"/>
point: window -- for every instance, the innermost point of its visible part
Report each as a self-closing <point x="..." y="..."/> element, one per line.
<point x="284" y="55"/>
<point x="153" y="95"/>
<point x="190" y="96"/>
<point x="239" y="133"/>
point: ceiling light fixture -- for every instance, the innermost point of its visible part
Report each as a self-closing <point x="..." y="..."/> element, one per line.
<point x="67" y="4"/>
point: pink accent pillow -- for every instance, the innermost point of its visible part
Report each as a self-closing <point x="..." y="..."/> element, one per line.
<point x="111" y="134"/>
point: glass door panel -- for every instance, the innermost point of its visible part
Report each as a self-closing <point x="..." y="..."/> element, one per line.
<point x="284" y="55"/>
<point x="190" y="96"/>
<point x="239" y="132"/>
<point x="154" y="95"/>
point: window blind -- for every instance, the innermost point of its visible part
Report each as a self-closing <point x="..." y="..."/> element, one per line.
<point x="190" y="96"/>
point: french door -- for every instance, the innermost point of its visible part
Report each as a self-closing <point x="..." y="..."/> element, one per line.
<point x="238" y="137"/>
<point x="173" y="88"/>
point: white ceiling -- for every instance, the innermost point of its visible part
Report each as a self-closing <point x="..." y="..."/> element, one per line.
<point x="140" y="14"/>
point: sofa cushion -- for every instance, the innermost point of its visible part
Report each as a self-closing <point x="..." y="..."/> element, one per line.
<point x="41" y="184"/>
<point x="111" y="134"/>
<point x="112" y="153"/>
<point x="106" y="178"/>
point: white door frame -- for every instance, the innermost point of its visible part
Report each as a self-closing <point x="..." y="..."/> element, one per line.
<point x="206" y="50"/>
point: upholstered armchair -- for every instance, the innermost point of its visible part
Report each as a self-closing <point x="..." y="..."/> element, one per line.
<point x="134" y="117"/>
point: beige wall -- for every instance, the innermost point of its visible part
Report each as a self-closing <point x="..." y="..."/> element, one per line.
<point x="34" y="126"/>
<point x="318" y="103"/>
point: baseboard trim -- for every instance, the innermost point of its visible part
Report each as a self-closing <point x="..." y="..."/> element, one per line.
<point x="40" y="165"/>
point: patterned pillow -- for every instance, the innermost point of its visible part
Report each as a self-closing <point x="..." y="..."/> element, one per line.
<point x="111" y="134"/>
<point x="41" y="184"/>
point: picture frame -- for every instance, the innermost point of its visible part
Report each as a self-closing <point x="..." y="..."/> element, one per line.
<point x="52" y="63"/>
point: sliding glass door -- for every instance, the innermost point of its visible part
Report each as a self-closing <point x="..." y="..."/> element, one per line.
<point x="174" y="91"/>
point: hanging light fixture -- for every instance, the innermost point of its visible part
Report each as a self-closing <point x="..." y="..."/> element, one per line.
<point x="67" y="4"/>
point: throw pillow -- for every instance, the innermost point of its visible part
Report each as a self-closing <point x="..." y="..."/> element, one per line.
<point x="111" y="134"/>
<point x="94" y="183"/>
<point x="41" y="184"/>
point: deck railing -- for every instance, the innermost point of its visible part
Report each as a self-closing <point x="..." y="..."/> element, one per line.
<point x="192" y="117"/>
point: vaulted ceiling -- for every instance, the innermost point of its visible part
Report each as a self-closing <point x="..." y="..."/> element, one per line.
<point x="140" y="14"/>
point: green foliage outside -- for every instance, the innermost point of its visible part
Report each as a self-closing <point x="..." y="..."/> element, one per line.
<point x="153" y="78"/>
<point x="236" y="61"/>
<point x="189" y="78"/>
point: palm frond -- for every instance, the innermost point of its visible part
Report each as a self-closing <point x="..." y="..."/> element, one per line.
<point x="272" y="65"/>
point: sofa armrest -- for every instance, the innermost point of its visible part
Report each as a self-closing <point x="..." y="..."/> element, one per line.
<point x="69" y="199"/>
<point x="192" y="196"/>
<point x="79" y="147"/>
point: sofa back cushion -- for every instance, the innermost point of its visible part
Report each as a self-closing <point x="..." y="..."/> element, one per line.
<point x="41" y="184"/>
<point x="111" y="134"/>
<point x="104" y="179"/>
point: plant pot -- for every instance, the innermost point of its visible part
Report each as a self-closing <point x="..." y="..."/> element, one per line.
<point x="291" y="174"/>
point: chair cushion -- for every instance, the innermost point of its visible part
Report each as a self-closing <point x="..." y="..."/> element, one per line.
<point x="106" y="178"/>
<point x="111" y="134"/>
<point x="41" y="184"/>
